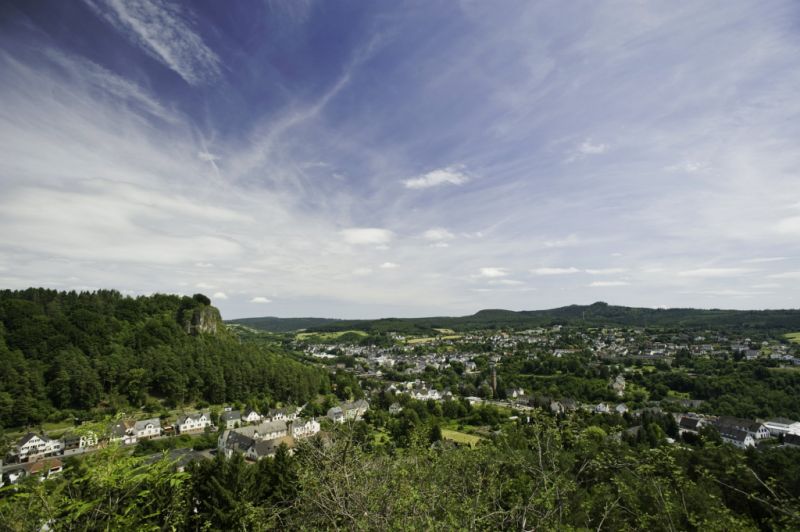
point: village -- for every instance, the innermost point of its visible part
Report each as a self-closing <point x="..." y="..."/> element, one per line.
<point x="254" y="435"/>
<point x="413" y="368"/>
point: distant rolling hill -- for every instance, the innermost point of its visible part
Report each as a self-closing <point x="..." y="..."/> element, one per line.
<point x="273" y="324"/>
<point x="596" y="314"/>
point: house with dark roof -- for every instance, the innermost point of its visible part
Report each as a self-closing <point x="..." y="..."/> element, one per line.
<point x="792" y="440"/>
<point x="33" y="446"/>
<point x="690" y="424"/>
<point x="740" y="438"/>
<point x="232" y="442"/>
<point x="123" y="431"/>
<point x="264" y="448"/>
<point x="251" y="416"/>
<point x="147" y="429"/>
<point x="193" y="423"/>
<point x="756" y="430"/>
<point x="230" y="420"/>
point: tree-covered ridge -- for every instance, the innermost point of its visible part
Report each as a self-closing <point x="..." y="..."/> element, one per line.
<point x="596" y="314"/>
<point x="77" y="350"/>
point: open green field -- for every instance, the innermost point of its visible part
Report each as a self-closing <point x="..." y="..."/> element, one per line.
<point x="793" y="337"/>
<point x="460" y="437"/>
<point x="327" y="335"/>
<point x="428" y="339"/>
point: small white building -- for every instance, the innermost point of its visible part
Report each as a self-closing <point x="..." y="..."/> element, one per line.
<point x="147" y="429"/>
<point x="189" y="423"/>
<point x="251" y="416"/>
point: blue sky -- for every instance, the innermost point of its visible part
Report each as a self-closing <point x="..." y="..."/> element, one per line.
<point x="366" y="159"/>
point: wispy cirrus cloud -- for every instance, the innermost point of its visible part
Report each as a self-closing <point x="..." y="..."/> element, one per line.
<point x="607" y="284"/>
<point x="164" y="31"/>
<point x="451" y="175"/>
<point x="715" y="272"/>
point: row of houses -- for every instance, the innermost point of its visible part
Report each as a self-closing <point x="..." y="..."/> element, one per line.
<point x="261" y="440"/>
<point x="743" y="433"/>
<point x="235" y="418"/>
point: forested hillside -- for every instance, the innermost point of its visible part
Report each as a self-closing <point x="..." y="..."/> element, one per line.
<point x="70" y="351"/>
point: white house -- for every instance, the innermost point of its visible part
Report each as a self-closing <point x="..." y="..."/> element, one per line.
<point x="336" y="414"/>
<point x="189" y="423"/>
<point x="305" y="429"/>
<point x="426" y="393"/>
<point x="251" y="416"/>
<point x="33" y="446"/>
<point x="740" y="438"/>
<point x="283" y="414"/>
<point x="602" y="408"/>
<point x="757" y="430"/>
<point x="147" y="428"/>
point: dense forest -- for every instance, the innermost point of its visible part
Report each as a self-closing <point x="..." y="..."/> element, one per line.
<point x="71" y="352"/>
<point x="597" y="314"/>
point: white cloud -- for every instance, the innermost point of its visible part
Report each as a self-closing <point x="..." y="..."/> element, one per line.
<point x="689" y="167"/>
<point x="162" y="30"/>
<point x="362" y="271"/>
<point x="451" y="175"/>
<point x="207" y="157"/>
<point x="506" y="282"/>
<point x="219" y="295"/>
<point x="491" y="272"/>
<point x="554" y="271"/>
<point x="571" y="240"/>
<point x="606" y="271"/>
<point x="789" y="226"/>
<point x="94" y="76"/>
<point x="785" y="275"/>
<point x="587" y="147"/>
<point x="260" y="299"/>
<point x="714" y="272"/>
<point x="760" y="260"/>
<point x="389" y="266"/>
<point x="367" y="236"/>
<point x="603" y="284"/>
<point x="204" y="286"/>
<point x="438" y="234"/>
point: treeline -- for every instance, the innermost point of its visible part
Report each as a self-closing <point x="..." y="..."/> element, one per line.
<point x="595" y="315"/>
<point x="72" y="352"/>
<point x="540" y="476"/>
<point x="744" y="389"/>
